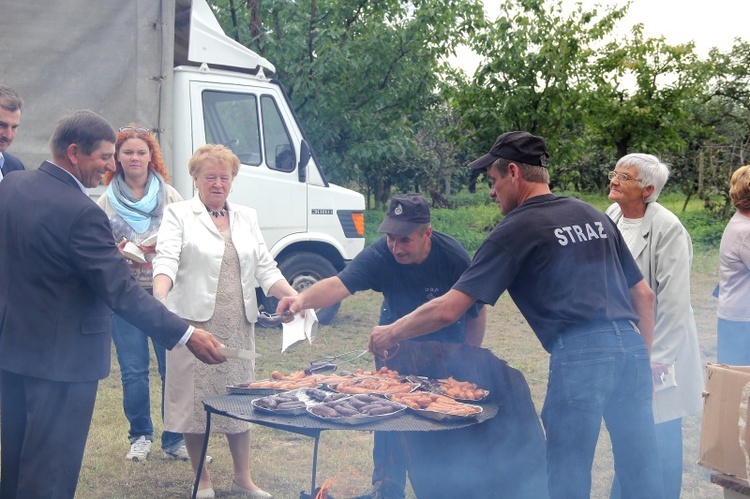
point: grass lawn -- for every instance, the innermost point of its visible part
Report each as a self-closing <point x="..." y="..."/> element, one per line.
<point x="282" y="461"/>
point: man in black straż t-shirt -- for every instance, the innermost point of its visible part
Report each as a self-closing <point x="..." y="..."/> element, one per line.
<point x="410" y="265"/>
<point x="571" y="275"/>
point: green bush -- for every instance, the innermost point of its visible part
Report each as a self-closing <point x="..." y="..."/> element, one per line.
<point x="372" y="221"/>
<point x="469" y="224"/>
<point x="473" y="216"/>
<point x="705" y="229"/>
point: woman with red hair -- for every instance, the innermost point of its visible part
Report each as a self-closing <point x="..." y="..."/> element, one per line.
<point x="136" y="195"/>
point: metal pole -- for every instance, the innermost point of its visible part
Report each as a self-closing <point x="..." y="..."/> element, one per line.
<point x="203" y="453"/>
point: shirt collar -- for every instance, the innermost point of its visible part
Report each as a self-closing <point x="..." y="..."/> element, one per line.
<point x="80" y="185"/>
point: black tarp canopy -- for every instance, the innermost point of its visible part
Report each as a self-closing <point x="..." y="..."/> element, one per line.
<point x="502" y="457"/>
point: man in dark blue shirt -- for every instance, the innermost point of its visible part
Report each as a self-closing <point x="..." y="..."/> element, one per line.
<point x="411" y="265"/>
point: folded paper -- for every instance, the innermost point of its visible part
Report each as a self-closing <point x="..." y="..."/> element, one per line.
<point x="299" y="329"/>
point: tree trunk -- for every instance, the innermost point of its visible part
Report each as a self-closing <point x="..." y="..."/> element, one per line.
<point x="381" y="192"/>
<point x="701" y="168"/>
<point x="473" y="181"/>
<point x="255" y="21"/>
<point x="622" y="146"/>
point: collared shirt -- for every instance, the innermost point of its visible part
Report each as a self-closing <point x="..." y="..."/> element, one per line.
<point x="2" y="162"/>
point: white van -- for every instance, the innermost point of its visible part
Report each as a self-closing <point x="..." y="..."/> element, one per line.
<point x="167" y="65"/>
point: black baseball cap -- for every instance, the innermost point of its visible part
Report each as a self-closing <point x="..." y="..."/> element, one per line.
<point x="515" y="146"/>
<point x="405" y="214"/>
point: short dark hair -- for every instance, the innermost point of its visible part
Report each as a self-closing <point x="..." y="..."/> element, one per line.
<point x="84" y="128"/>
<point x="9" y="99"/>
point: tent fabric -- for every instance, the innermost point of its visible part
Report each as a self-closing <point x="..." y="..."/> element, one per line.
<point x="123" y="53"/>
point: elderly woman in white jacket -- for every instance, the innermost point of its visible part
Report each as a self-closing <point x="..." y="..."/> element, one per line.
<point x="209" y="257"/>
<point x="664" y="252"/>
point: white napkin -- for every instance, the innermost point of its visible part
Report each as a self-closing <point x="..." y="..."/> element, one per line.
<point x="300" y="329"/>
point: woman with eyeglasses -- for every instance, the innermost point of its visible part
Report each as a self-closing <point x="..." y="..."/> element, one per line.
<point x="136" y="195"/>
<point x="664" y="252"/>
<point x="210" y="255"/>
<point x="733" y="328"/>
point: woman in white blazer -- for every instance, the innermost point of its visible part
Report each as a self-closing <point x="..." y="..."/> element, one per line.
<point x="664" y="252"/>
<point x="210" y="256"/>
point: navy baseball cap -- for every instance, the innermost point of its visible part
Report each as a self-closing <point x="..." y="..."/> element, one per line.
<point x="406" y="213"/>
<point x="515" y="146"/>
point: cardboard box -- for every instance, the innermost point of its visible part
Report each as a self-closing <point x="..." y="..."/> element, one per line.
<point x="724" y="430"/>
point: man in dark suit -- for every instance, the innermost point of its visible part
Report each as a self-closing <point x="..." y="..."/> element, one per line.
<point x="61" y="276"/>
<point x="10" y="120"/>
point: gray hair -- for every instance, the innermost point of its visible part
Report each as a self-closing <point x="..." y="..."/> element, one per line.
<point x="84" y="128"/>
<point x="651" y="171"/>
<point x="531" y="173"/>
<point x="9" y="99"/>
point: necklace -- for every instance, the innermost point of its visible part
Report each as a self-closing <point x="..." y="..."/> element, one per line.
<point x="217" y="214"/>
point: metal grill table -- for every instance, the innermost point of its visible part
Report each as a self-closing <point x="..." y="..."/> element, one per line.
<point x="239" y="407"/>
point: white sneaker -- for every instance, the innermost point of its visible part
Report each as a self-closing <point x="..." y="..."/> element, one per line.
<point x="180" y="453"/>
<point x="139" y="450"/>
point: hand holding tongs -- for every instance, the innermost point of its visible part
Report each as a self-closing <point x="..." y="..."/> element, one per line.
<point x="331" y="362"/>
<point x="272" y="320"/>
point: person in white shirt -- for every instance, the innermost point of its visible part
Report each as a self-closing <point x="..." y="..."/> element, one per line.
<point x="733" y="330"/>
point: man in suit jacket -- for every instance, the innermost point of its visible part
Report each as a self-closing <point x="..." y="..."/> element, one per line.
<point x="61" y="276"/>
<point x="10" y="120"/>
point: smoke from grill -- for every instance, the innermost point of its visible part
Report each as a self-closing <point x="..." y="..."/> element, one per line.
<point x="501" y="457"/>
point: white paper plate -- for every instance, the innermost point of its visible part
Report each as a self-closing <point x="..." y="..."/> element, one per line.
<point x="134" y="253"/>
<point x="150" y="240"/>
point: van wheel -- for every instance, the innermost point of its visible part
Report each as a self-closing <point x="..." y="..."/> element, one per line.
<point x="302" y="270"/>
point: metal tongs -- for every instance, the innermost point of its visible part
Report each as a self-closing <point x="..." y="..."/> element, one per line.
<point x="331" y="362"/>
<point x="272" y="320"/>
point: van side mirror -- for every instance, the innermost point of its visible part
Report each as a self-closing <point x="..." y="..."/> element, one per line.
<point x="304" y="158"/>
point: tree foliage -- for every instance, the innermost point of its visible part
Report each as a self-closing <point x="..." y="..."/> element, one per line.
<point x="726" y="113"/>
<point x="360" y="74"/>
<point x="385" y="113"/>
<point x="536" y="60"/>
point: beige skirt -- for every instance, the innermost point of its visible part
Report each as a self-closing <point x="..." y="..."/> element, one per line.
<point x="189" y="381"/>
<point x="186" y="385"/>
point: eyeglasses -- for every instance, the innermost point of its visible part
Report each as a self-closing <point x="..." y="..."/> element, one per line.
<point x="622" y="177"/>
<point x="136" y="129"/>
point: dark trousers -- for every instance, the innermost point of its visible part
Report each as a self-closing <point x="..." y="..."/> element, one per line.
<point x="44" y="426"/>
<point x="389" y="463"/>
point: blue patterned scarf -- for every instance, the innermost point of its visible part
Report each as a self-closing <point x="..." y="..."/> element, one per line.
<point x="137" y="212"/>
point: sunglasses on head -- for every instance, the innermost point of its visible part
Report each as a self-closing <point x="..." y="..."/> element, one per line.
<point x="136" y="129"/>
